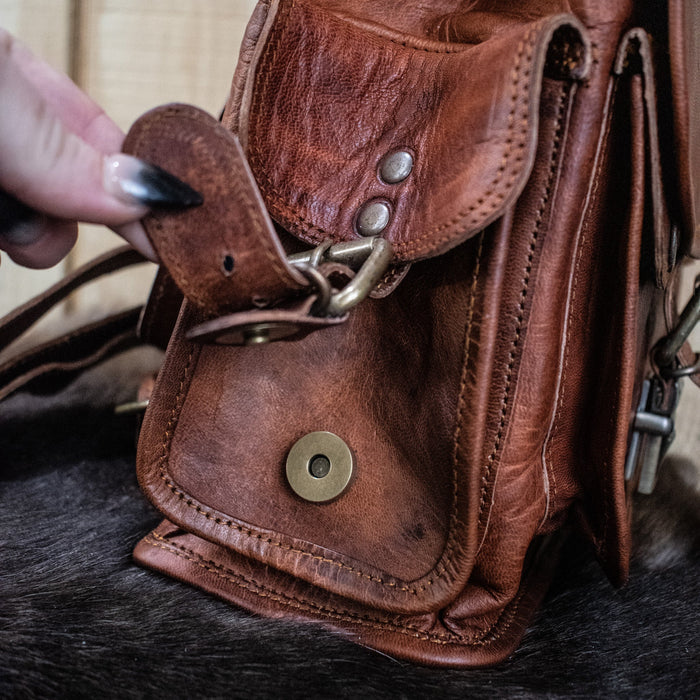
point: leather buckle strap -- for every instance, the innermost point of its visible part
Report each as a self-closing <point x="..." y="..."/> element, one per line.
<point x="225" y="256"/>
<point x="364" y="261"/>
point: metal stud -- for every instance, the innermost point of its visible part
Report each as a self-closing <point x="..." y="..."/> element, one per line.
<point x="396" y="167"/>
<point x="319" y="467"/>
<point x="373" y="218"/>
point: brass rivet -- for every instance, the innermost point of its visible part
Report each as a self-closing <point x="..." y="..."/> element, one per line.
<point x="396" y="167"/>
<point x="373" y="218"/>
<point x="319" y="467"/>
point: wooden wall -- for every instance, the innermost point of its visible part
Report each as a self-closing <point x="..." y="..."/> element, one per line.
<point x="45" y="26"/>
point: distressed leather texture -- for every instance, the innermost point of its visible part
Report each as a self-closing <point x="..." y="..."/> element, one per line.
<point x="487" y="397"/>
<point x="298" y="135"/>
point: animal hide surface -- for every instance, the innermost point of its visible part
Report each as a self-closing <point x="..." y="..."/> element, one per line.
<point x="78" y="619"/>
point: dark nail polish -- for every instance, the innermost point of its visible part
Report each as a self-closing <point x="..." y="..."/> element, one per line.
<point x="161" y="189"/>
<point x="137" y="182"/>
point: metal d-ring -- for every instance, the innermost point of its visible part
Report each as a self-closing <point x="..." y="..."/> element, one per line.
<point x="686" y="371"/>
<point x="317" y="255"/>
<point x="368" y="257"/>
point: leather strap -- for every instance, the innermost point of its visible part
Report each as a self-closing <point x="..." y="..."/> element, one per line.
<point x="225" y="256"/>
<point x="59" y="360"/>
<point x="161" y="311"/>
<point x="26" y="315"/>
<point x="49" y="366"/>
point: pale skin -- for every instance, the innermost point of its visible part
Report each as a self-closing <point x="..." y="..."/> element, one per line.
<point x="54" y="141"/>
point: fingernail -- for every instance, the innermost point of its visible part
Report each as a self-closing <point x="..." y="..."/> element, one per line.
<point x="17" y="221"/>
<point x="135" y="181"/>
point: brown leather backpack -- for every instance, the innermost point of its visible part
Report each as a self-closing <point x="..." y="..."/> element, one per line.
<point x="429" y="320"/>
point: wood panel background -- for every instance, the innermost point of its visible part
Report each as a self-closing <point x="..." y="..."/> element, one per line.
<point x="131" y="55"/>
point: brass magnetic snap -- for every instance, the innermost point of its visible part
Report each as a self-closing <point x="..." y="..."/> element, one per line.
<point x="319" y="467"/>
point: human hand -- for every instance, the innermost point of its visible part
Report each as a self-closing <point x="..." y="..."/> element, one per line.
<point x="60" y="164"/>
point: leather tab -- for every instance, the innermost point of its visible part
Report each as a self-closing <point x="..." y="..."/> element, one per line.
<point x="224" y="255"/>
<point x="288" y="324"/>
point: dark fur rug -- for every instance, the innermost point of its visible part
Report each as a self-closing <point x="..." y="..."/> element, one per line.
<point x="79" y="620"/>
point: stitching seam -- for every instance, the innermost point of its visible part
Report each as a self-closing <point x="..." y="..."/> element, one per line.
<point x="163" y="241"/>
<point x="259" y="227"/>
<point x="492" y="198"/>
<point x="521" y="311"/>
<point x="447" y="638"/>
<point x="577" y="277"/>
<point x="557" y="146"/>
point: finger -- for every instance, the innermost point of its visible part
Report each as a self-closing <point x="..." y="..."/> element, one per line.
<point x="39" y="242"/>
<point x="55" y="171"/>
<point x="44" y="164"/>
<point x="35" y="240"/>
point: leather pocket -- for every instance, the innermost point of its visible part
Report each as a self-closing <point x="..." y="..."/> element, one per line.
<point x="419" y="384"/>
<point x="603" y="344"/>
<point x="223" y="420"/>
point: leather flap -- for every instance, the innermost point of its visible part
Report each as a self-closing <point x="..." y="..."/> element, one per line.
<point x="328" y="95"/>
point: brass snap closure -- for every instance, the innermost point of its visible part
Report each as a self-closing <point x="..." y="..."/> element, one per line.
<point x="319" y="467"/>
